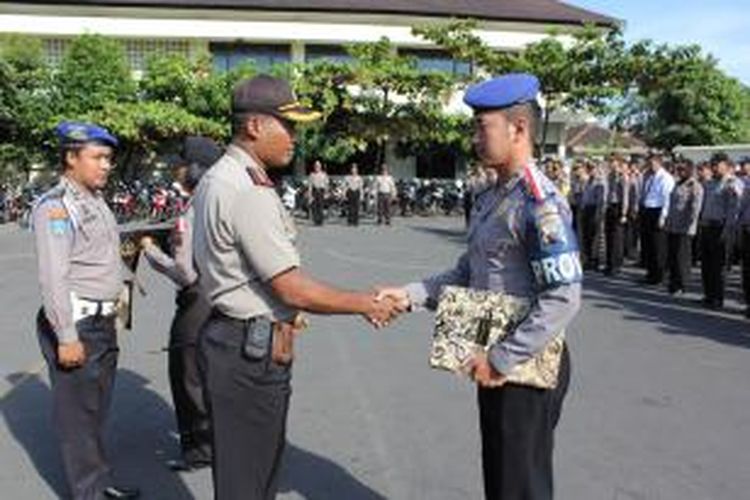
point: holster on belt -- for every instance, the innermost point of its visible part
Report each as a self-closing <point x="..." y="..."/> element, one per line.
<point x="282" y="344"/>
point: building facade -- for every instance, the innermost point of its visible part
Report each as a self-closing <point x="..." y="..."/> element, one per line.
<point x="270" y="32"/>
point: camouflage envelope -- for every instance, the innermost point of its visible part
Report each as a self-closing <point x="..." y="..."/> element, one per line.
<point x="468" y="320"/>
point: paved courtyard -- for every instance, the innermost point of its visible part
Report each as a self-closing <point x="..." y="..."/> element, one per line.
<point x="659" y="407"/>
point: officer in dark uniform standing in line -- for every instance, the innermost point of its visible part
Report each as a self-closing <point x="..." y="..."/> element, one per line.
<point x="354" y="188"/>
<point x="682" y="223"/>
<point x="521" y="242"/>
<point x="250" y="271"/>
<point x="193" y="423"/>
<point x="718" y="224"/>
<point x="593" y="206"/>
<point x="632" y="231"/>
<point x="743" y="222"/>
<point x="81" y="276"/>
<point x="618" y="197"/>
<point x="319" y="185"/>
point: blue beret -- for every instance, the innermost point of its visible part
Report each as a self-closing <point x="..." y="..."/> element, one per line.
<point x="503" y="92"/>
<point x="78" y="132"/>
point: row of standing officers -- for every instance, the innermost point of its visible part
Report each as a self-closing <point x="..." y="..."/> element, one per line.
<point x="319" y="185"/>
<point x="677" y="217"/>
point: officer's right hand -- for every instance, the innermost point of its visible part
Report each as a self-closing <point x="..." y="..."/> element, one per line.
<point x="383" y="311"/>
<point x="71" y="354"/>
<point x="146" y="242"/>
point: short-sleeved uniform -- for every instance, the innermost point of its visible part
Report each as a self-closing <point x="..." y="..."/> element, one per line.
<point x="521" y="242"/>
<point x="243" y="238"/>
<point x="718" y="224"/>
<point x="319" y="185"/>
<point x="354" y="188"/>
<point x="81" y="277"/>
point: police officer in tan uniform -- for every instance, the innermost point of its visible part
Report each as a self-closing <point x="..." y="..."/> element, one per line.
<point x="249" y="269"/>
<point x="385" y="188"/>
<point x="354" y="186"/>
<point x="319" y="185"/>
<point x="81" y="276"/>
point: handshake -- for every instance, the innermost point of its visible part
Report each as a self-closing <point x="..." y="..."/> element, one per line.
<point x="390" y="302"/>
<point x="387" y="304"/>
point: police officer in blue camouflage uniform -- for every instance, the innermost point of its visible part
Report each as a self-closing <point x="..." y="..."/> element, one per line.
<point x="521" y="242"/>
<point x="81" y="277"/>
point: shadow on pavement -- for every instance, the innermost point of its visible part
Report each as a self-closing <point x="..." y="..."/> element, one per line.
<point x="27" y="413"/>
<point x="132" y="436"/>
<point x="673" y="315"/>
<point x="317" y="478"/>
<point x="453" y="235"/>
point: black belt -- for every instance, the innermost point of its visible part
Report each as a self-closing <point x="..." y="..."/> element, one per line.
<point x="217" y="314"/>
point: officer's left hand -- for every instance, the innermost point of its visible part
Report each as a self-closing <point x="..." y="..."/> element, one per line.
<point x="483" y="373"/>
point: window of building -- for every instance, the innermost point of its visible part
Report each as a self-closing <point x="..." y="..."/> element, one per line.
<point x="139" y="50"/>
<point x="229" y="55"/>
<point x="437" y="61"/>
<point x="54" y="50"/>
<point x="331" y="53"/>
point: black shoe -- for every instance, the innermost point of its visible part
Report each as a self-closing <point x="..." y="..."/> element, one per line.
<point x="181" y="465"/>
<point x="121" y="492"/>
<point x="677" y="292"/>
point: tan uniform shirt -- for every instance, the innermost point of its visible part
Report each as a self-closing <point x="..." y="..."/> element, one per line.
<point x="319" y="180"/>
<point x="78" y="253"/>
<point x="384" y="184"/>
<point x="243" y="238"/>
<point x="353" y="183"/>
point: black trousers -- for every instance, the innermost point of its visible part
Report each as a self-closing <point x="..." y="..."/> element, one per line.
<point x="679" y="260"/>
<point x="574" y="216"/>
<point x="352" y="207"/>
<point x="631" y="238"/>
<point x="468" y="206"/>
<point x="517" y="425"/>
<point x="80" y="403"/>
<point x="614" y="231"/>
<point x="745" y="260"/>
<point x="653" y="245"/>
<point x="318" y="206"/>
<point x="185" y="380"/>
<point x="590" y="234"/>
<point x="248" y="400"/>
<point x="713" y="263"/>
<point x="384" y="208"/>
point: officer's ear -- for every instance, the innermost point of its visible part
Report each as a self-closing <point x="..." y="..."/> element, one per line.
<point x="247" y="125"/>
<point x="68" y="155"/>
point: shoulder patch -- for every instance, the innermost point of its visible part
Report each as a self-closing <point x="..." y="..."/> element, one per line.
<point x="57" y="213"/>
<point x="553" y="247"/>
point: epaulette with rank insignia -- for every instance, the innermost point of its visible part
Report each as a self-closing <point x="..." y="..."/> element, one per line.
<point x="534" y="185"/>
<point x="259" y="177"/>
<point x="56" y="192"/>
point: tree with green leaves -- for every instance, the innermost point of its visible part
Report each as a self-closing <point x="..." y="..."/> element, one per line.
<point x="680" y="97"/>
<point x="26" y="105"/>
<point x="579" y="71"/>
